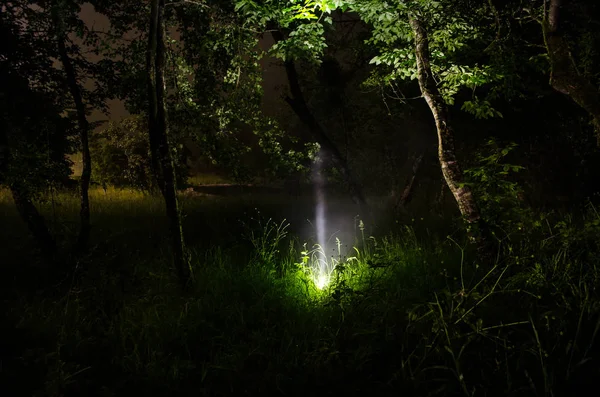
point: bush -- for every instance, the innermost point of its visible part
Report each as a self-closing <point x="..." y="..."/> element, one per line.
<point x="121" y="156"/>
<point x="499" y="196"/>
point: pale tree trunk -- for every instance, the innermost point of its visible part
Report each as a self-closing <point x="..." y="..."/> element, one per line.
<point x="84" y="128"/>
<point x="158" y="133"/>
<point x="300" y="107"/>
<point x="565" y="77"/>
<point x="33" y="219"/>
<point x="446" y="152"/>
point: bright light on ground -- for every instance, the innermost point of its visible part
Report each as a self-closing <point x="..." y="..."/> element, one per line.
<point x="321" y="280"/>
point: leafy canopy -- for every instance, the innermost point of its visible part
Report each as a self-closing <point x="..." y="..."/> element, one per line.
<point x="459" y="33"/>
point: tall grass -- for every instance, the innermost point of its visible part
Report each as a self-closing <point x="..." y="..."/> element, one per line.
<point x="404" y="312"/>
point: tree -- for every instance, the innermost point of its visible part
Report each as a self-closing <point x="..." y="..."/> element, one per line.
<point x="565" y="76"/>
<point x="21" y="192"/>
<point x="51" y="27"/>
<point x="33" y="134"/>
<point x="159" y="143"/>
<point x="451" y="169"/>
<point x="60" y="33"/>
<point x="535" y="63"/>
<point x="212" y="73"/>
<point x="206" y="77"/>
<point x="296" y="42"/>
<point x="442" y="67"/>
<point x="300" y="107"/>
<point x="122" y="155"/>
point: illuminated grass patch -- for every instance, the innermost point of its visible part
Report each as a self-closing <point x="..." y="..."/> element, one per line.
<point x="320" y="268"/>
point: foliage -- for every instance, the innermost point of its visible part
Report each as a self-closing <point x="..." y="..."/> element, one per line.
<point x="213" y="74"/>
<point x="305" y="39"/>
<point x="38" y="140"/>
<point x="32" y="104"/>
<point x="456" y="40"/>
<point x="121" y="155"/>
<point x="501" y="198"/>
<point x="285" y="160"/>
<point x="578" y="235"/>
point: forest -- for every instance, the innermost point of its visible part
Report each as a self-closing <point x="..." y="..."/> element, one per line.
<point x="299" y="197"/>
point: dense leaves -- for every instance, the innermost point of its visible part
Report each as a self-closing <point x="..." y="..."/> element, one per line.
<point x="121" y="156"/>
<point x="32" y="98"/>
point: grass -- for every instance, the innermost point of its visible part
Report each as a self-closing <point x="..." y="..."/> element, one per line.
<point x="407" y="311"/>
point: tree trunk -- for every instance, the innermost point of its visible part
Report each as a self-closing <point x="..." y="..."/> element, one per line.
<point x="408" y="187"/>
<point x="446" y="152"/>
<point x="158" y="132"/>
<point x="152" y="100"/>
<point x="84" y="127"/>
<point x="565" y="77"/>
<point x="34" y="220"/>
<point x="300" y="107"/>
<point x="24" y="204"/>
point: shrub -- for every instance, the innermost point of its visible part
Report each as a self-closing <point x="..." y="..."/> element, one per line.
<point x="500" y="198"/>
<point x="121" y="155"/>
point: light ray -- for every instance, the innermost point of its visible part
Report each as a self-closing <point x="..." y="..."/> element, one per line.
<point x="321" y="267"/>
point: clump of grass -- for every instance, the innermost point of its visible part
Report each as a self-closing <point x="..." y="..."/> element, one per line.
<point x="266" y="237"/>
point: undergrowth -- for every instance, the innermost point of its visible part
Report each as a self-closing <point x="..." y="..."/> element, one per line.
<point x="402" y="314"/>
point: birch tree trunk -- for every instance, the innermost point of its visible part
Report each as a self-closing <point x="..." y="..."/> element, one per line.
<point x="158" y="134"/>
<point x="451" y="170"/>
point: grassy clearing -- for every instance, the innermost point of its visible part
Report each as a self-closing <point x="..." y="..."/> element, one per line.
<point x="407" y="311"/>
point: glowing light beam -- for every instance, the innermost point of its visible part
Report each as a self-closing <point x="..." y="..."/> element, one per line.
<point x="321" y="280"/>
<point x="322" y="266"/>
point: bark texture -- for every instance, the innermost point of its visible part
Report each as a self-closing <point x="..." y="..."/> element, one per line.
<point x="158" y="134"/>
<point x="300" y="107"/>
<point x="451" y="169"/>
<point x="84" y="128"/>
<point x="564" y="77"/>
